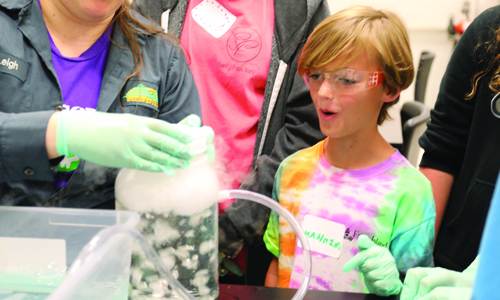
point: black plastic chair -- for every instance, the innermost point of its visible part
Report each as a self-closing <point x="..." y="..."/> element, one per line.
<point x="424" y="67"/>
<point x="413" y="117"/>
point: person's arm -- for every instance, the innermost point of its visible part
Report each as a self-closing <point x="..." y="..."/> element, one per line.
<point x="439" y="283"/>
<point x="272" y="274"/>
<point x="123" y="141"/>
<point x="130" y="141"/>
<point x="411" y="239"/>
<point x="23" y="151"/>
<point x="413" y="230"/>
<point x="447" y="135"/>
<point x="271" y="240"/>
<point x="441" y="186"/>
<point x="50" y="136"/>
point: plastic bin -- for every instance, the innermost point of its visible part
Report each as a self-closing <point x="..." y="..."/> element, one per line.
<point x="38" y="246"/>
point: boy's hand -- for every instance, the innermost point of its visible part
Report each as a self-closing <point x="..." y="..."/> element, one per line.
<point x="377" y="265"/>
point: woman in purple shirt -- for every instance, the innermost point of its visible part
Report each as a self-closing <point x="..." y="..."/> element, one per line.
<point x="87" y="87"/>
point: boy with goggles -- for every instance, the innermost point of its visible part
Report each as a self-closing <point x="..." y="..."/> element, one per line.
<point x="360" y="202"/>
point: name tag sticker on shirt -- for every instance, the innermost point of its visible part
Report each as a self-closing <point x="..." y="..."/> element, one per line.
<point x="324" y="236"/>
<point x="14" y="66"/>
<point x="213" y="17"/>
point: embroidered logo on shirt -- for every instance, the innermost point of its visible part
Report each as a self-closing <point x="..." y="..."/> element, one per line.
<point x="143" y="94"/>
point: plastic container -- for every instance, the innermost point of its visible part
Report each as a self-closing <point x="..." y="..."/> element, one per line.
<point x="38" y="245"/>
<point x="179" y="217"/>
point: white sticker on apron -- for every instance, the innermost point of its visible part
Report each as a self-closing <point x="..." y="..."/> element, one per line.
<point x="164" y="19"/>
<point x="213" y="17"/>
<point x="324" y="236"/>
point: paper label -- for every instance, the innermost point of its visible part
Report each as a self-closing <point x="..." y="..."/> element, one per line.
<point x="324" y="236"/>
<point x="164" y="19"/>
<point x="213" y="17"/>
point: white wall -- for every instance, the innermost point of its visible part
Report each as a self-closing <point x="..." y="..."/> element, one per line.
<point x="427" y="22"/>
<point x="417" y="14"/>
<point x="439" y="42"/>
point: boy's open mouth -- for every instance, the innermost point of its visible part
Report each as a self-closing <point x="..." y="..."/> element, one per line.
<point x="327" y="115"/>
<point x="327" y="112"/>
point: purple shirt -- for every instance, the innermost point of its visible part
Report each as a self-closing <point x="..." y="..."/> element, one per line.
<point x="80" y="79"/>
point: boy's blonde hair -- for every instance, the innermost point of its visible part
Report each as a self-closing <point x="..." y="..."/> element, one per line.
<point x="353" y="30"/>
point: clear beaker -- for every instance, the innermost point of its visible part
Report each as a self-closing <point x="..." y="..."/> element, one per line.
<point x="178" y="216"/>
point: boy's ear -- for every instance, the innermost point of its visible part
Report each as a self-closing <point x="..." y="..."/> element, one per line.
<point x="388" y="97"/>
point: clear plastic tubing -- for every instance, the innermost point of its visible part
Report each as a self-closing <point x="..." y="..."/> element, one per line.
<point x="261" y="199"/>
<point x="108" y="233"/>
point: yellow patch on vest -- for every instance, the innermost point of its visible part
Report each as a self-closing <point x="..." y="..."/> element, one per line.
<point x="143" y="94"/>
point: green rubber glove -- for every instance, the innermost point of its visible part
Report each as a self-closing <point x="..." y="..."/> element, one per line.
<point x="123" y="141"/>
<point x="226" y="264"/>
<point x="447" y="293"/>
<point x="195" y="121"/>
<point x="378" y="267"/>
<point x="191" y="121"/>
<point x="439" y="283"/>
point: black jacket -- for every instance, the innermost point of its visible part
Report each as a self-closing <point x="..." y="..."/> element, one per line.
<point x="463" y="139"/>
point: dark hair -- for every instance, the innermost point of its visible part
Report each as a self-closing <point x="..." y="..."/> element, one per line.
<point x="494" y="84"/>
<point x="131" y="27"/>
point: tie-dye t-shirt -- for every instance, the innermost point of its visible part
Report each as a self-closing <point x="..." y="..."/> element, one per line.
<point x="390" y="202"/>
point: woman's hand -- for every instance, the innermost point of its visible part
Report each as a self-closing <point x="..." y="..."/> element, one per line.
<point x="123" y="141"/>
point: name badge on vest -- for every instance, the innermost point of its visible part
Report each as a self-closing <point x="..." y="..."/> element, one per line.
<point x="213" y="17"/>
<point x="164" y="19"/>
<point x="14" y="66"/>
<point x="324" y="236"/>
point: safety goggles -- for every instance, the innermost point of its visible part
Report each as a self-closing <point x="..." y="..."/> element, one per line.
<point x="345" y="81"/>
